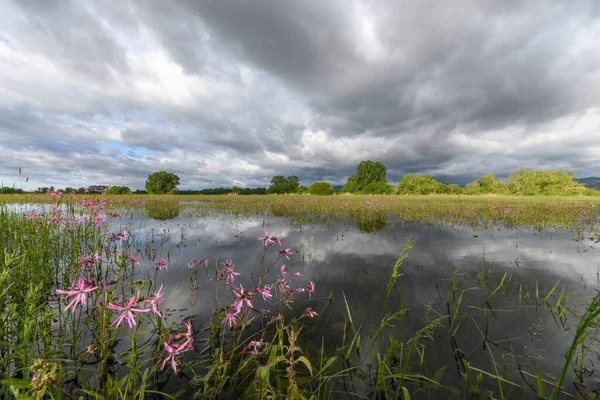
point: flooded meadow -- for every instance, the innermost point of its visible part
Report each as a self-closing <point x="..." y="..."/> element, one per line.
<point x="220" y="298"/>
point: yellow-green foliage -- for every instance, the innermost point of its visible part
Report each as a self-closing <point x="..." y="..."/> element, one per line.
<point x="546" y="182"/>
<point x="321" y="189"/>
<point x="486" y="184"/>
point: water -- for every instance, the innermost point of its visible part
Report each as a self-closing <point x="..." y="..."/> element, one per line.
<point x="509" y="324"/>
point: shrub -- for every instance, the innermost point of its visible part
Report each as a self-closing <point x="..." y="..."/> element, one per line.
<point x="378" y="188"/>
<point x="118" y="190"/>
<point x="321" y="189"/>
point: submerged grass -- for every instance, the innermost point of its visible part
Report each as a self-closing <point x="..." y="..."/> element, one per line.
<point x="565" y="212"/>
<point x="113" y="341"/>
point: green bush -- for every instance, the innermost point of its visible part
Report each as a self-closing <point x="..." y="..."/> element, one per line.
<point x="118" y="190"/>
<point x="378" y="188"/>
<point x="418" y="184"/>
<point x="321" y="189"/>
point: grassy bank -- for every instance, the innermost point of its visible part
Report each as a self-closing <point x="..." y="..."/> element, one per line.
<point x="476" y="211"/>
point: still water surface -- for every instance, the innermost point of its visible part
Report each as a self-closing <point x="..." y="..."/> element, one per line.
<point x="520" y="328"/>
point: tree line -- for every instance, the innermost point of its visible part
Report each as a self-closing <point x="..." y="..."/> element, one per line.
<point x="370" y="178"/>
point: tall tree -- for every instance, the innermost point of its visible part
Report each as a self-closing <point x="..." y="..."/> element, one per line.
<point x="162" y="182"/>
<point x="367" y="172"/>
<point x="418" y="184"/>
<point x="281" y="185"/>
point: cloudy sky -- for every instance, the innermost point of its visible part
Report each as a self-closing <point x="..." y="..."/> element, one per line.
<point x="229" y="93"/>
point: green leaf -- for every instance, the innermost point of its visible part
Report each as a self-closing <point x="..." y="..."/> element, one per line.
<point x="305" y="361"/>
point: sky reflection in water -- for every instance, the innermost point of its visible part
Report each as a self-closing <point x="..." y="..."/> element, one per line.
<point x="342" y="259"/>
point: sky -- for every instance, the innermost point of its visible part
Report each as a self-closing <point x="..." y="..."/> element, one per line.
<point x="226" y="93"/>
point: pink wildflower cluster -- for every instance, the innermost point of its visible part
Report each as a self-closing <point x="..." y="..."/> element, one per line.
<point x="78" y="295"/>
<point x="176" y="345"/>
<point x="131" y="307"/>
<point x="55" y="193"/>
<point x="284" y="285"/>
<point x="95" y="204"/>
<point x="245" y="299"/>
<point x="33" y="215"/>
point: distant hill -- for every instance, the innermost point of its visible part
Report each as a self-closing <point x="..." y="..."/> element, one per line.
<point x="592" y="182"/>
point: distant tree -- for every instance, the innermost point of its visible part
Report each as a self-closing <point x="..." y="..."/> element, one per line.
<point x="321" y="189"/>
<point x="367" y="172"/>
<point x="485" y="184"/>
<point x="531" y="182"/>
<point x="10" y="190"/>
<point x="118" y="190"/>
<point x="281" y="185"/>
<point x="302" y="190"/>
<point x="418" y="184"/>
<point x="377" y="188"/>
<point x="236" y="190"/>
<point x="351" y="185"/>
<point x="162" y="182"/>
<point x="453" y="188"/>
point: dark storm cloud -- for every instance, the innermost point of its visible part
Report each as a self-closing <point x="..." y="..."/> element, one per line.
<point x="463" y="62"/>
<point x="230" y="92"/>
<point x="73" y="34"/>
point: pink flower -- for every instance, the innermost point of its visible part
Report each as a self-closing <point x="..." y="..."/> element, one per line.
<point x="89" y="260"/>
<point x="78" y="292"/>
<point x="117" y="237"/>
<point x="253" y="347"/>
<point x="285" y="253"/>
<point x="154" y="300"/>
<point x="309" y="313"/>
<point x="284" y="270"/>
<point x="265" y="291"/>
<point x="266" y="239"/>
<point x="162" y="265"/>
<point x="171" y="352"/>
<point x="276" y="239"/>
<point x="174" y="348"/>
<point x="189" y="338"/>
<point x="230" y="313"/>
<point x="310" y="289"/>
<point x="133" y="259"/>
<point x="242" y="296"/>
<point x="270" y="240"/>
<point x="127" y="312"/>
<point x="230" y="275"/>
